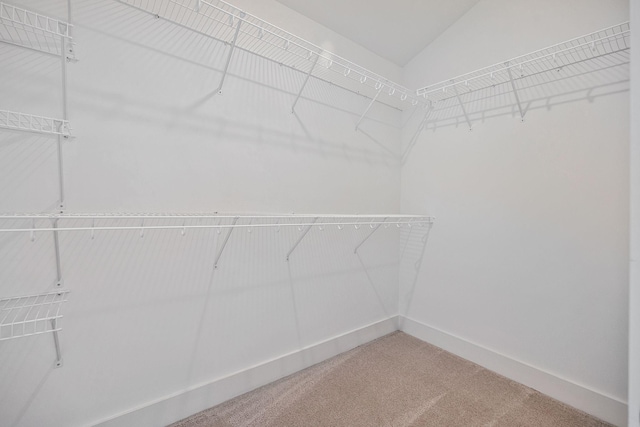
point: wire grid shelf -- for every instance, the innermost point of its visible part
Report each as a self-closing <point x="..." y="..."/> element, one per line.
<point x="32" y="123"/>
<point x="31" y="315"/>
<point x="37" y="223"/>
<point x="605" y="48"/>
<point x="33" y="30"/>
<point x="220" y="20"/>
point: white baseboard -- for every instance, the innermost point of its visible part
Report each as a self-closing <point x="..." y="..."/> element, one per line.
<point x="187" y="402"/>
<point x="591" y="401"/>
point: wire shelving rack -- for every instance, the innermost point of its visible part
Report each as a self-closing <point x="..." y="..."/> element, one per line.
<point x="28" y="315"/>
<point x="604" y="48"/>
<point x="34" y="31"/>
<point x="31" y="123"/>
<point x="224" y="22"/>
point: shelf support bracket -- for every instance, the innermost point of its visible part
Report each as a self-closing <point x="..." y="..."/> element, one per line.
<point x="368" y="107"/>
<point x="301" y="237"/>
<point x="355" y="251"/>
<point x="293" y="107"/>
<point x="224" y="243"/>
<point x="464" y="110"/>
<point x="56" y="342"/>
<point x="515" y="92"/>
<point x="231" y="49"/>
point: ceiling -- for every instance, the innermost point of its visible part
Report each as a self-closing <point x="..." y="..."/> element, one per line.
<point x="395" y="30"/>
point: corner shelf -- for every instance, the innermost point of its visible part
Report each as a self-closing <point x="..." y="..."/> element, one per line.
<point x="605" y="48"/>
<point x="28" y="315"/>
<point x="31" y="123"/>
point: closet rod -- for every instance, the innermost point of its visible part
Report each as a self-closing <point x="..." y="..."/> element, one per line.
<point x="420" y="222"/>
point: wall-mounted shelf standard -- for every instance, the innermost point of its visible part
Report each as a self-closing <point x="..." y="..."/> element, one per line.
<point x="605" y="48"/>
<point x="34" y="31"/>
<point x="31" y="123"/>
<point x="226" y="23"/>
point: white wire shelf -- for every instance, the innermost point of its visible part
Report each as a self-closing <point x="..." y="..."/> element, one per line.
<point x="31" y="315"/>
<point x="35" y="223"/>
<point x="34" y="31"/>
<point x="220" y="20"/>
<point x="31" y="123"/>
<point x="604" y="48"/>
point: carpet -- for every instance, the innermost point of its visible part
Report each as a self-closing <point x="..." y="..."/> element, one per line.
<point x="395" y="381"/>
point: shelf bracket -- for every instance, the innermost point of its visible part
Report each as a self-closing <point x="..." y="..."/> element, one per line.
<point x="231" y="49"/>
<point x="56" y="343"/>
<point x="301" y="237"/>
<point x="368" y="107"/>
<point x="355" y="251"/>
<point x="464" y="110"/>
<point x="224" y="244"/>
<point x="293" y="107"/>
<point x="515" y="92"/>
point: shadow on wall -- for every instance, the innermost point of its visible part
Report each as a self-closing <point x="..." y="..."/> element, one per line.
<point x="582" y="81"/>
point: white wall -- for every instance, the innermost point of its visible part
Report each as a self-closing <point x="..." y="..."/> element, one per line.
<point x="529" y="256"/>
<point x="634" y="271"/>
<point x="148" y="317"/>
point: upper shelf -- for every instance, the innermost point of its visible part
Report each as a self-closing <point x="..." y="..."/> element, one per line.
<point x="33" y="30"/>
<point x="220" y="20"/>
<point x="604" y="48"/>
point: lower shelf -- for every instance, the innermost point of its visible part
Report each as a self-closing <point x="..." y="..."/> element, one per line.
<point x="31" y="314"/>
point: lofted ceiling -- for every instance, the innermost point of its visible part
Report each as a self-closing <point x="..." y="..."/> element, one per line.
<point x="395" y="30"/>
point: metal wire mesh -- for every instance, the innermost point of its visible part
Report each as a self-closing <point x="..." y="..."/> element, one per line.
<point x="30" y="315"/>
<point x="219" y="20"/>
<point x="33" y="30"/>
<point x="606" y="47"/>
<point x="32" y="123"/>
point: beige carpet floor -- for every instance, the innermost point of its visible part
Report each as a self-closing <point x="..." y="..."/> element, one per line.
<point x="396" y="380"/>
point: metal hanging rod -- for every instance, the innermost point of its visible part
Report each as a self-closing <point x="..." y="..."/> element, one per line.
<point x="612" y="42"/>
<point x="220" y="20"/>
<point x="31" y="123"/>
<point x="194" y="216"/>
<point x="33" y="30"/>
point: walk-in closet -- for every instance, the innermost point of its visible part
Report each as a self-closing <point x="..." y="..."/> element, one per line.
<point x="276" y="213"/>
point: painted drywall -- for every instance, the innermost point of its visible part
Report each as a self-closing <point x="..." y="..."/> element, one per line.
<point x="529" y="258"/>
<point x="634" y="270"/>
<point x="148" y="316"/>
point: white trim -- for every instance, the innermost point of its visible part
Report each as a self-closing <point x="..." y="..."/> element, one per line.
<point x="607" y="408"/>
<point x="177" y="406"/>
